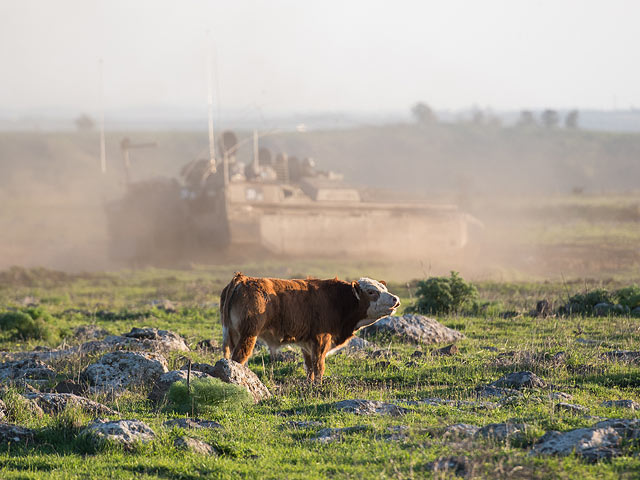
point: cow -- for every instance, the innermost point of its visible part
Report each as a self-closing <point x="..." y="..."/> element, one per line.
<point x="317" y="315"/>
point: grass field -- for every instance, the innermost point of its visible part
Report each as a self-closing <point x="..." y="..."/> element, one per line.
<point x="259" y="441"/>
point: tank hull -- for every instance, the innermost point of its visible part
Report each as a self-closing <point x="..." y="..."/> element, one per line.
<point x="357" y="230"/>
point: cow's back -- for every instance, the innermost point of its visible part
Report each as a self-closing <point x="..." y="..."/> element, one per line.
<point x="296" y="309"/>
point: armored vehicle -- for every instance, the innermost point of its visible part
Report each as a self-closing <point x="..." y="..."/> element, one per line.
<point x="275" y="205"/>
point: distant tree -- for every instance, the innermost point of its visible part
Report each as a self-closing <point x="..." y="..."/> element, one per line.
<point x="478" y="117"/>
<point x="423" y="113"/>
<point x="550" y="118"/>
<point x="526" y="118"/>
<point x="571" y="119"/>
<point x="84" y="123"/>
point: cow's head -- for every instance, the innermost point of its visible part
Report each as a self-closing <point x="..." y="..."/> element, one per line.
<point x="381" y="302"/>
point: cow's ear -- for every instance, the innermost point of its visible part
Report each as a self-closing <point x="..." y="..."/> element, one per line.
<point x="383" y="282"/>
<point x="357" y="291"/>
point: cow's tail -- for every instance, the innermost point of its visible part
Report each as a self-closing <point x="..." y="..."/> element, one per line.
<point x="225" y="314"/>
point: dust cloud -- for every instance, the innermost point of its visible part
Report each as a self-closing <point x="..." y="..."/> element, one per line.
<point x="535" y="201"/>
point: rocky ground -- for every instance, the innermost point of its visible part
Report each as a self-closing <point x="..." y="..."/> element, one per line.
<point x="528" y="396"/>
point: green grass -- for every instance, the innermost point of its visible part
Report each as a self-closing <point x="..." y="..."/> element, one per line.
<point x="256" y="442"/>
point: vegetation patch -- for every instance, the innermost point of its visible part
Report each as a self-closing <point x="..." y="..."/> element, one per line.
<point x="444" y="295"/>
<point x="206" y="396"/>
<point x="29" y="323"/>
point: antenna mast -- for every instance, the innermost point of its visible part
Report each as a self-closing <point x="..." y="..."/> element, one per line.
<point x="212" y="149"/>
<point x="103" y="150"/>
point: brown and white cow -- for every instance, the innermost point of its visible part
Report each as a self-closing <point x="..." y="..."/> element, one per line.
<point x="317" y="315"/>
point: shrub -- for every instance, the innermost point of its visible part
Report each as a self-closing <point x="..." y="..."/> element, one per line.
<point x="443" y="295"/>
<point x="629" y="296"/>
<point x="206" y="394"/>
<point x="29" y="323"/>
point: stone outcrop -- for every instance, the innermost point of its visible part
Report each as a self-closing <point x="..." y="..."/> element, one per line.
<point x="232" y="372"/>
<point x="138" y="340"/>
<point x="54" y="403"/>
<point x="126" y="433"/>
<point x="118" y="370"/>
<point x="519" y="380"/>
<point x="194" y="445"/>
<point x="29" y="370"/>
<point x="414" y="328"/>
<point x="370" y="407"/>
<point x="10" y="433"/>
<point x="164" y="382"/>
<point x="192" y="423"/>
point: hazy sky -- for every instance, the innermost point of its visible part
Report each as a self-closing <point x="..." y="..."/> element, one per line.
<point x="299" y="56"/>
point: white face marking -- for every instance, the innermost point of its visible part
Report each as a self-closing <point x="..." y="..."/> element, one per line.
<point x="381" y="302"/>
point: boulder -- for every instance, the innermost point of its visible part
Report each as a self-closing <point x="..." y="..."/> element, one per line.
<point x="138" y="339"/>
<point x="630" y="404"/>
<point x="414" y="328"/>
<point x="162" y="339"/>
<point x="194" y="445"/>
<point x="199" y="367"/>
<point x="461" y="430"/>
<point x="435" y="402"/>
<point x="560" y="396"/>
<point x="70" y="386"/>
<point x="233" y="372"/>
<point x="3" y="410"/>
<point x="10" y="433"/>
<point x="118" y="370"/>
<point x="54" y="403"/>
<point x="622" y="356"/>
<point x="193" y="423"/>
<point x="370" y="407"/>
<point x="328" y="435"/>
<point x="126" y="433"/>
<point x="448" y="350"/>
<point x="397" y="433"/>
<point x="501" y="432"/>
<point x="627" y="428"/>
<point x="164" y="382"/>
<point x="28" y="370"/>
<point x="603" y="309"/>
<point x="593" y="444"/>
<point x="490" y="391"/>
<point x="451" y="466"/>
<point x="519" y="380"/>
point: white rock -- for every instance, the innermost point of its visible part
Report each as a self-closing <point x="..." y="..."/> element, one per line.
<point x="370" y="407"/>
<point x="590" y="443"/>
<point x="415" y="328"/>
<point x="233" y="372"/>
<point x="123" y="432"/>
<point x="118" y="370"/>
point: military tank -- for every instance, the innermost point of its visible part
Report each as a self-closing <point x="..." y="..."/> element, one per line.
<point x="273" y="205"/>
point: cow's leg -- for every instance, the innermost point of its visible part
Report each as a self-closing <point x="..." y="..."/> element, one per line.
<point x="308" y="364"/>
<point x="320" y="349"/>
<point x="244" y="348"/>
<point x="228" y="345"/>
